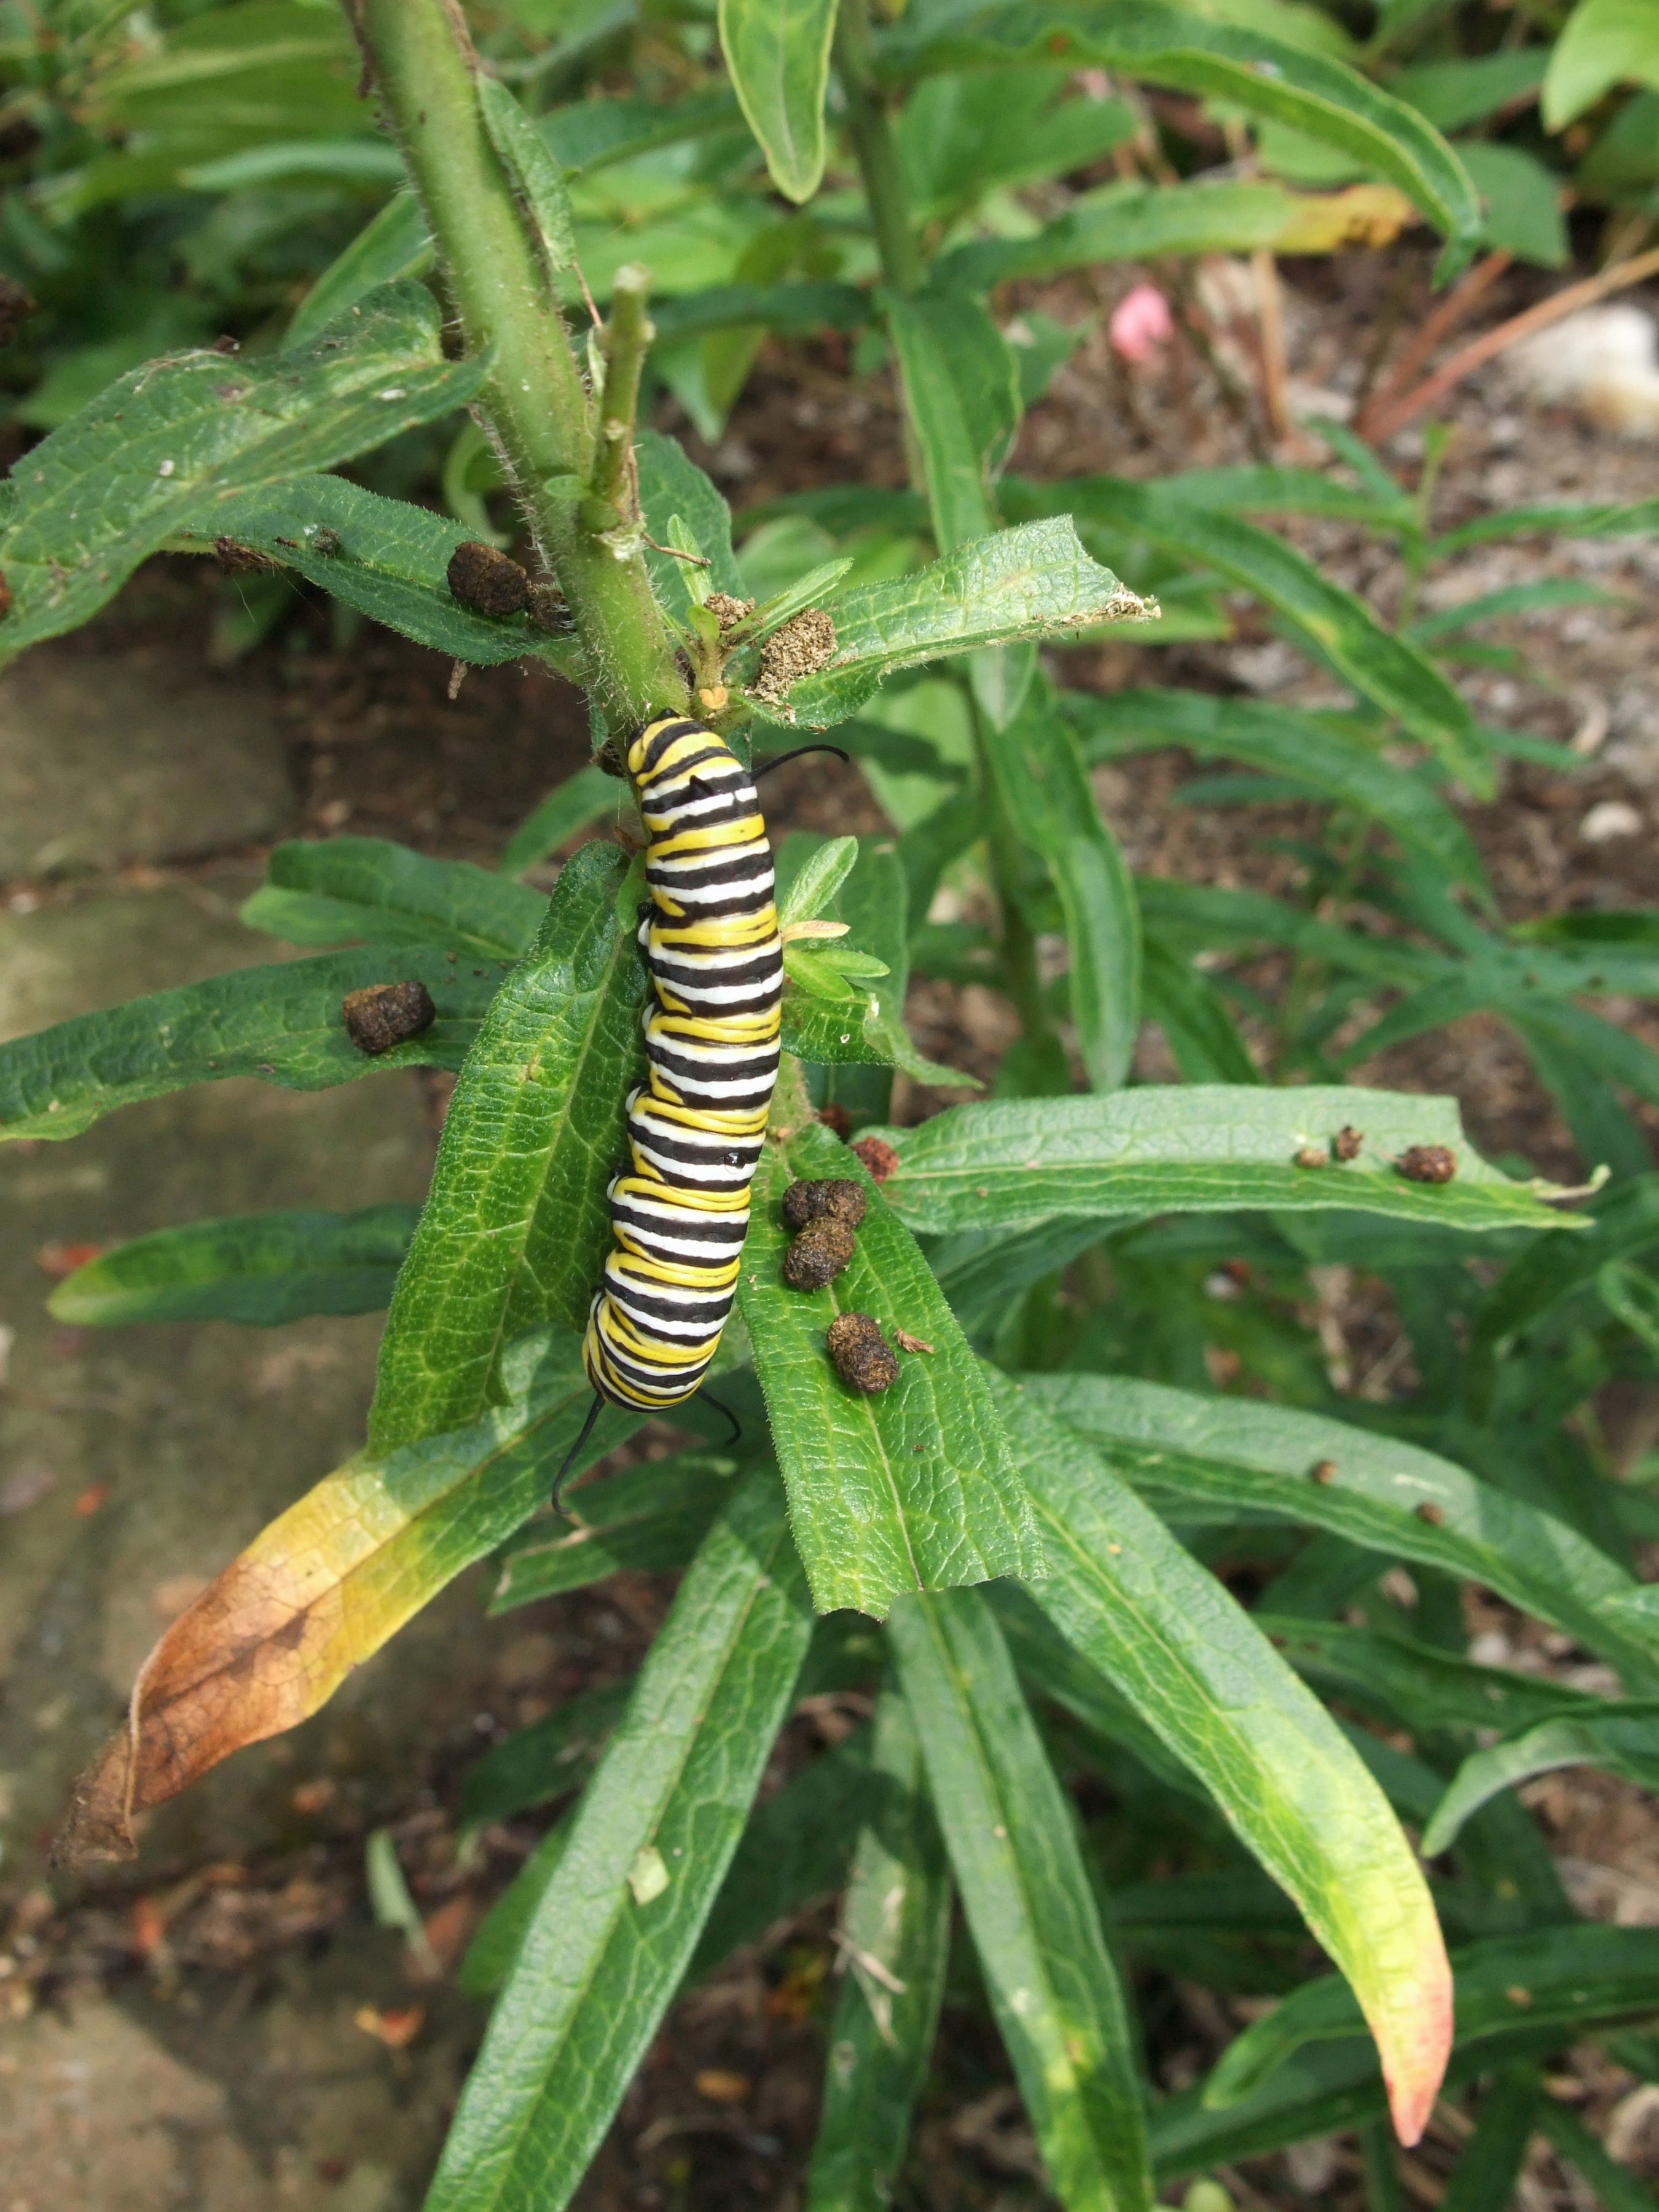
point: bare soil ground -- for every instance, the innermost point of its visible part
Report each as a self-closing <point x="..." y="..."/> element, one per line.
<point x="205" y="1952"/>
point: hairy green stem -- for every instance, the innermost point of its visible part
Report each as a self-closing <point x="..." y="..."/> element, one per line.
<point x="534" y="400"/>
<point x="872" y="134"/>
<point x="626" y="338"/>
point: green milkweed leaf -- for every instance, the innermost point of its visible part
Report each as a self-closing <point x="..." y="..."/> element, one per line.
<point x="647" y="1517"/>
<point x="1047" y="797"/>
<point x="1012" y="1842"/>
<point x="323" y="891"/>
<point x="393" y="245"/>
<point x="547" y="1759"/>
<point x="670" y="484"/>
<point x="1026" y="583"/>
<point x="1509" y="1989"/>
<point x="1261" y="1459"/>
<point x="962" y="401"/>
<point x="1615" y="2188"/>
<point x="262" y="1268"/>
<point x="1316" y="749"/>
<point x="161" y="447"/>
<point x="912" y="1489"/>
<point x="1484" y="2178"/>
<point x="329" y="1581"/>
<point x="1195" y="1147"/>
<point x="386" y="557"/>
<point x="581" y="799"/>
<point x="778" y="53"/>
<point x="515" y="1227"/>
<point x="646" y="1852"/>
<point x="895" y="1937"/>
<point x="1171" y="1640"/>
<point x="1394" y="674"/>
<point x="1419" y="1684"/>
<point x="796" y="1846"/>
<point x="1128" y="222"/>
<point x="1166" y="46"/>
<point x="282" y="1023"/>
<point x="538" y="177"/>
<point x="1621" y="1740"/>
<point x="1200" y="1033"/>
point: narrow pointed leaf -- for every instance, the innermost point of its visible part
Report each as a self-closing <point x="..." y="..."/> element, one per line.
<point x="515" y="1227"/>
<point x="547" y="1759"/>
<point x="386" y="557"/>
<point x="1047" y="797"/>
<point x="604" y="1955"/>
<point x="327" y="1583"/>
<point x="1388" y="1497"/>
<point x="646" y="1518"/>
<point x="259" y="1268"/>
<point x="796" y="1846"/>
<point x="896" y="1937"/>
<point x="1247" y="69"/>
<point x="912" y="1489"/>
<point x="588" y="796"/>
<point x="393" y="245"/>
<point x="1131" y="221"/>
<point x="325" y="890"/>
<point x="1509" y="1989"/>
<point x="1484" y="2178"/>
<point x="1395" y="675"/>
<point x="1012" y="1838"/>
<point x="1417" y="1684"/>
<point x="1036" y="581"/>
<point x="1194" y="1148"/>
<point x="1615" y="2187"/>
<point x="1313" y="748"/>
<point x="778" y="53"/>
<point x="962" y="401"/>
<point x="281" y="1024"/>
<point x="165" y="442"/>
<point x="537" y="175"/>
<point x="1176" y="1646"/>
<point x="1621" y="1740"/>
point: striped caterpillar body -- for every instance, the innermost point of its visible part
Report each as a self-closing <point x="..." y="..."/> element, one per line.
<point x="709" y="936"/>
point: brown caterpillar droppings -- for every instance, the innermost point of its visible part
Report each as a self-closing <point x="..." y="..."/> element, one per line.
<point x="1313" y="1156"/>
<point x="842" y="1198"/>
<point x="482" y="577"/>
<point x="806" y="643"/>
<point x="1323" y="1470"/>
<point x="880" y="1160"/>
<point x="1434" y="1515"/>
<point x="727" y="611"/>
<point x="1427" y="1164"/>
<point x="863" y="1361"/>
<point x="837" y="1119"/>
<point x="386" y="1014"/>
<point x="817" y="1255"/>
<point x="1346" y="1142"/>
<point x="5" y="597"/>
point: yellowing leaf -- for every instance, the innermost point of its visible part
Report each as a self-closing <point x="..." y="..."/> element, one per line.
<point x="273" y="1637"/>
<point x="1331" y="223"/>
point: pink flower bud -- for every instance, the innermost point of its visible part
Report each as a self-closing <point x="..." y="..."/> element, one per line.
<point x="1140" y="324"/>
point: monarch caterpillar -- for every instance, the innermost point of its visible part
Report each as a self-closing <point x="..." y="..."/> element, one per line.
<point x="710" y="940"/>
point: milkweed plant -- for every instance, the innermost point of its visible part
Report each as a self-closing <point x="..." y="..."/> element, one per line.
<point x="970" y="1452"/>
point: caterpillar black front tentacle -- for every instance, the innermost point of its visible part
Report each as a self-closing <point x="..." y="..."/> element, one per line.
<point x="709" y="936"/>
